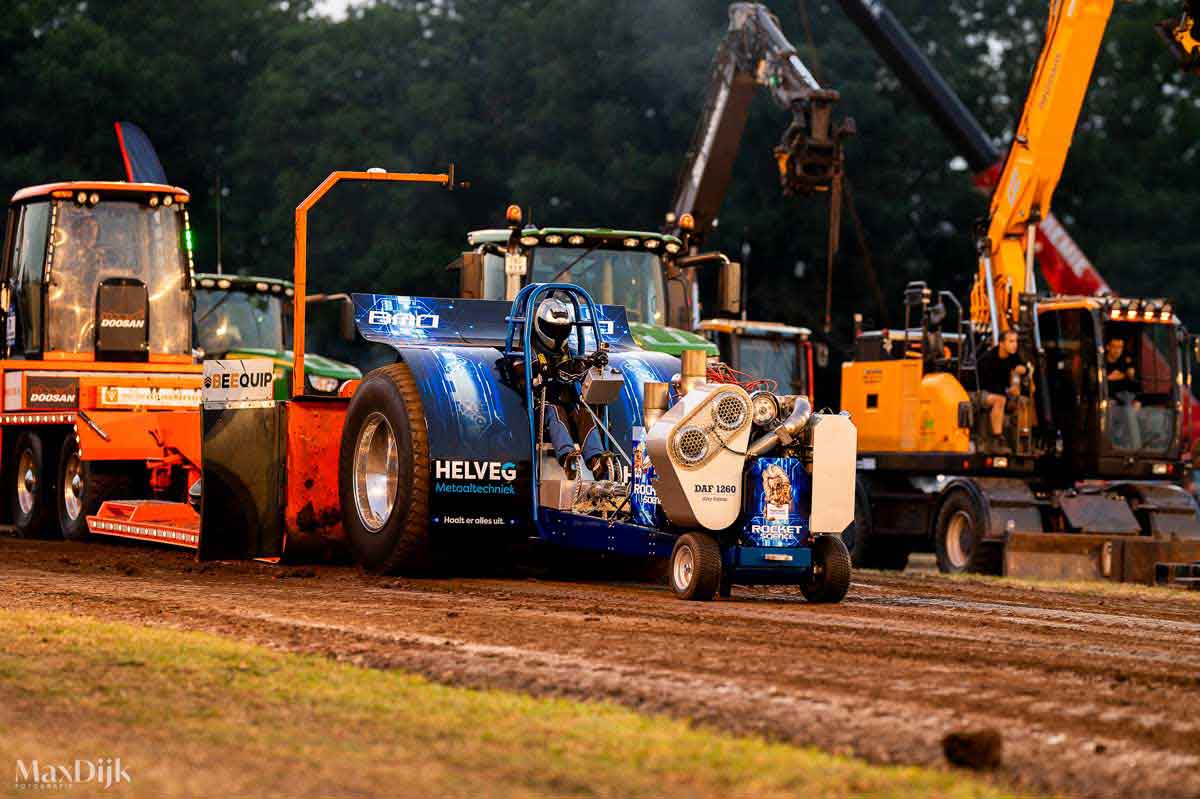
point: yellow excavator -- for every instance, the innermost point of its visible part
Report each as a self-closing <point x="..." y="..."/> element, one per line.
<point x="1051" y="456"/>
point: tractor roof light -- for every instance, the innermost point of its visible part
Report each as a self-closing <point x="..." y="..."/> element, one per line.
<point x="672" y="247"/>
<point x="652" y="244"/>
<point x="167" y="200"/>
<point x="224" y="284"/>
<point x="93" y="198"/>
<point x="512" y="215"/>
<point x="631" y="242"/>
<point x="81" y="197"/>
<point x="554" y="239"/>
<point x="530" y="241"/>
<point x="575" y="241"/>
<point x="153" y="200"/>
<point x="687" y="222"/>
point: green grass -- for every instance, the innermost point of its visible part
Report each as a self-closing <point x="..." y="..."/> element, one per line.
<point x="193" y="714"/>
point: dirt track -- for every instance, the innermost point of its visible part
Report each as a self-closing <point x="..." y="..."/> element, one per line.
<point x="1094" y="694"/>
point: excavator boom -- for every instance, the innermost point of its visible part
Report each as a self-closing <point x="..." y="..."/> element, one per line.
<point x="1065" y="268"/>
<point x="1035" y="160"/>
<point x="755" y="53"/>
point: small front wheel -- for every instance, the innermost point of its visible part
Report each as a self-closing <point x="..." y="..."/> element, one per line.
<point x="695" y="567"/>
<point x="831" y="571"/>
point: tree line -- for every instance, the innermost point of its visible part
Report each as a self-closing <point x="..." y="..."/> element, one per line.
<point x="581" y="111"/>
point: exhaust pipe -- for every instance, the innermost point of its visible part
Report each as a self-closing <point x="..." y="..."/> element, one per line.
<point x="656" y="397"/>
<point x="786" y="432"/>
<point x="693" y="370"/>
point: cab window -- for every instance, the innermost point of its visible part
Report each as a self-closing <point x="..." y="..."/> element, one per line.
<point x="29" y="258"/>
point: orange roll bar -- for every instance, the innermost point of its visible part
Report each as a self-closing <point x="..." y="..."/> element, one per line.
<point x="300" y="262"/>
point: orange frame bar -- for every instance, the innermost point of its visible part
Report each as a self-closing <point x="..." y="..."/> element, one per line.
<point x="300" y="263"/>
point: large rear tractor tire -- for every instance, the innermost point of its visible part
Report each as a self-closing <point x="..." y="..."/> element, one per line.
<point x="868" y="550"/>
<point x="383" y="474"/>
<point x="31" y="488"/>
<point x="831" y="571"/>
<point x="695" y="567"/>
<point x="959" y="537"/>
<point x="83" y="486"/>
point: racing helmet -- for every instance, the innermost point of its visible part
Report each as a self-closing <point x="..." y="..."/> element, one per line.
<point x="553" y="322"/>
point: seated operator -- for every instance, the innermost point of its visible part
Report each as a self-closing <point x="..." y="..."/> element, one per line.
<point x="1122" y="376"/>
<point x="1122" y="390"/>
<point x="556" y="377"/>
<point x="999" y="378"/>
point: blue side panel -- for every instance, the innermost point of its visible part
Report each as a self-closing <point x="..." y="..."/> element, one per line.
<point x="780" y="494"/>
<point x="575" y="531"/>
<point x="405" y="321"/>
<point x="479" y="448"/>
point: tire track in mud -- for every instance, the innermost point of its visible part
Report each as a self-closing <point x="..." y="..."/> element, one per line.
<point x="1094" y="695"/>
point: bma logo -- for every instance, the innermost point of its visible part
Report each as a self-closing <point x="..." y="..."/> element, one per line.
<point x="476" y="470"/>
<point x="415" y="321"/>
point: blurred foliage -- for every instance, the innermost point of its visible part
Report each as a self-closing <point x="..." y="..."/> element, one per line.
<point x="581" y="111"/>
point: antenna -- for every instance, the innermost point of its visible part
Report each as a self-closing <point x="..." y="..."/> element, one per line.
<point x="220" y="267"/>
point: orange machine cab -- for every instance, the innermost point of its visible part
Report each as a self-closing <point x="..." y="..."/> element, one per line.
<point x="101" y="391"/>
<point x="897" y="407"/>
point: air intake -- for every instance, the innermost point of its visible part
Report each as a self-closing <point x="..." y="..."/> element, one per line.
<point x="698" y="449"/>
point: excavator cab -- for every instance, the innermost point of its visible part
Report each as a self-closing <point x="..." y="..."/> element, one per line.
<point x="1115" y="375"/>
<point x="98" y="270"/>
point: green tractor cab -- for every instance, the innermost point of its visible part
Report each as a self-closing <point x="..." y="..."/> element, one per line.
<point x="632" y="268"/>
<point x="251" y="317"/>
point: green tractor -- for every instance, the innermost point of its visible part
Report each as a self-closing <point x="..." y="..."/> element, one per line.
<point x="647" y="273"/>
<point x="251" y="317"/>
<point x="654" y="276"/>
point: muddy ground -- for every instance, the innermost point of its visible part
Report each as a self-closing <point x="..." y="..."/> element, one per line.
<point x="1094" y="694"/>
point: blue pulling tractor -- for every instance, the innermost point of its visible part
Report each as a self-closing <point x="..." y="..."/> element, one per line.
<point x="446" y="446"/>
<point x="441" y="454"/>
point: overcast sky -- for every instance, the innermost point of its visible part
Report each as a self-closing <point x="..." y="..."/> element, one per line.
<point x="333" y="8"/>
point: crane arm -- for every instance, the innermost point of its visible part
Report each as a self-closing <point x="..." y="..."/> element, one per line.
<point x="756" y="53"/>
<point x="1035" y="160"/>
<point x="1065" y="267"/>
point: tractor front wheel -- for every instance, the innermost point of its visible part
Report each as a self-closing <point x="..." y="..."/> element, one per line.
<point x="83" y="486"/>
<point x="31" y="489"/>
<point x="831" y="571"/>
<point x="383" y="474"/>
<point x="695" y="567"/>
